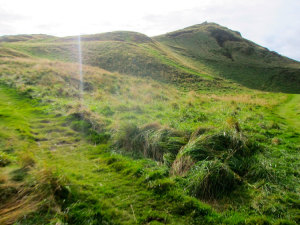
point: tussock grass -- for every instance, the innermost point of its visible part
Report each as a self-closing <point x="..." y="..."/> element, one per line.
<point x="212" y="179"/>
<point x="227" y="146"/>
<point x="26" y="159"/>
<point x="151" y="140"/>
<point x="5" y="159"/>
<point x="41" y="192"/>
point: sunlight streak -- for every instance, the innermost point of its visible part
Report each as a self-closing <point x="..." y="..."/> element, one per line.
<point x="80" y="69"/>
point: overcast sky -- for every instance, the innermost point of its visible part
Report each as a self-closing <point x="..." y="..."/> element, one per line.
<point x="274" y="24"/>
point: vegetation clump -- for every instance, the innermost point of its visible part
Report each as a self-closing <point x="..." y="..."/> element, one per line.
<point x="89" y="123"/>
<point x="4" y="159"/>
<point x="151" y="140"/>
<point x="229" y="147"/>
<point x="211" y="179"/>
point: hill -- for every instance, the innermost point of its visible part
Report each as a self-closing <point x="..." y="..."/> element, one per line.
<point x="25" y="37"/>
<point x="229" y="55"/>
<point x="123" y="52"/>
<point x="198" y="56"/>
<point x="146" y="131"/>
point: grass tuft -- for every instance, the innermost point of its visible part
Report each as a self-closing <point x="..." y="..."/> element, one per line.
<point x="212" y="179"/>
<point x="151" y="140"/>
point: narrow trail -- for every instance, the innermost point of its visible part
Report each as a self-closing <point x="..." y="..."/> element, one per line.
<point x="290" y="111"/>
<point x="64" y="149"/>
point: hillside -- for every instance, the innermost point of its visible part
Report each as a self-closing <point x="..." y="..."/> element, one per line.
<point x="197" y="57"/>
<point x="229" y="55"/>
<point x="161" y="130"/>
<point x="123" y="52"/>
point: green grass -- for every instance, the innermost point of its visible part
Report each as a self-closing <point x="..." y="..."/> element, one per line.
<point x="290" y="111"/>
<point x="64" y="150"/>
<point x="149" y="148"/>
<point x="224" y="53"/>
<point x="117" y="192"/>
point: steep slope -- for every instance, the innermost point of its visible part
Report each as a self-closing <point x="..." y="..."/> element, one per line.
<point x="228" y="55"/>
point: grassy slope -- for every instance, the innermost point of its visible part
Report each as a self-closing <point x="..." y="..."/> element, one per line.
<point x="121" y="197"/>
<point x="192" y="57"/>
<point x="123" y="52"/>
<point x="112" y="98"/>
<point x="290" y="111"/>
<point x="225" y="53"/>
<point x="109" y="181"/>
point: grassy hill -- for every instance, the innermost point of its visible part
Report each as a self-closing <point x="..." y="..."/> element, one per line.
<point x="229" y="55"/>
<point x="123" y="52"/>
<point x="163" y="133"/>
<point x="197" y="57"/>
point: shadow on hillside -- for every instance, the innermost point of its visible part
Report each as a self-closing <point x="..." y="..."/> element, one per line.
<point x="275" y="79"/>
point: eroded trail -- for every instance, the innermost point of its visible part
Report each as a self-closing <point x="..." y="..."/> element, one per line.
<point x="120" y="198"/>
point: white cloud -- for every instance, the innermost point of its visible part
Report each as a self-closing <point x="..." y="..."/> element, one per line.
<point x="271" y="23"/>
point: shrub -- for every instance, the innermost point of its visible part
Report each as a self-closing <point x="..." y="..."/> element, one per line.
<point x="126" y="137"/>
<point x="233" y="124"/>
